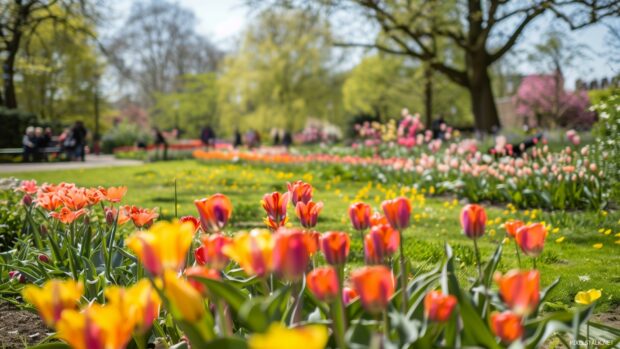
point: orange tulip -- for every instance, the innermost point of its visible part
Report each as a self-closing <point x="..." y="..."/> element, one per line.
<point x="397" y="212"/>
<point x="275" y="206"/>
<point x="111" y="212"/>
<point x="113" y="194"/>
<point x="520" y="290"/>
<point x="67" y="216"/>
<point x="253" y="251"/>
<point x="512" y="226"/>
<point x="93" y="195"/>
<point x="438" y="306"/>
<point x="211" y="252"/>
<point x="28" y="187"/>
<point x="531" y="239"/>
<point x="335" y="247"/>
<point x="507" y="326"/>
<point x="299" y="192"/>
<point x="375" y="286"/>
<point x="323" y="283"/>
<point x="291" y="253"/>
<point x="377" y="218"/>
<point x="202" y="272"/>
<point x="214" y="211"/>
<point x="142" y="217"/>
<point x="381" y="242"/>
<point x="74" y="198"/>
<point x="348" y="295"/>
<point x="473" y="220"/>
<point x="49" y="201"/>
<point x="308" y="213"/>
<point x="359" y="213"/>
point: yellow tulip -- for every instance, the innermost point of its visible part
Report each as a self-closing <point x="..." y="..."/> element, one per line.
<point x="53" y="298"/>
<point x="96" y="327"/>
<point x="140" y="303"/>
<point x="163" y="246"/>
<point x="280" y="337"/>
<point x="253" y="251"/>
<point x="587" y="297"/>
<point x="186" y="301"/>
<point x="598" y="246"/>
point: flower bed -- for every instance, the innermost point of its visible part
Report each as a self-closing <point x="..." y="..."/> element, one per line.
<point x="197" y="281"/>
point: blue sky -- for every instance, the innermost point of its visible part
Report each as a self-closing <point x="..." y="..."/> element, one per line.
<point x="224" y="20"/>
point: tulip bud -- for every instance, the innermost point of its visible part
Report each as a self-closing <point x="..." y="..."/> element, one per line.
<point x="438" y="306"/>
<point x="291" y="253"/>
<point x="299" y="192"/>
<point x="512" y="226"/>
<point x="308" y="213"/>
<point x="323" y="283"/>
<point x="507" y="326"/>
<point x="375" y="286"/>
<point x="27" y="200"/>
<point x="214" y="211"/>
<point x="335" y="247"/>
<point x="520" y="290"/>
<point x="397" y="212"/>
<point x="359" y="213"/>
<point x="531" y="239"/>
<point x="109" y="217"/>
<point x="473" y="221"/>
<point x="43" y="258"/>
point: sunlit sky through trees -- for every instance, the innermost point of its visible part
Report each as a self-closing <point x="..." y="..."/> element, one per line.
<point x="222" y="21"/>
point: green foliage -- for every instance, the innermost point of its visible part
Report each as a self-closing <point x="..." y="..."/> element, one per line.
<point x="60" y="69"/>
<point x="190" y="109"/>
<point x="11" y="220"/>
<point x="123" y="134"/>
<point x="281" y="75"/>
<point x="607" y="146"/>
<point x="382" y="85"/>
<point x="14" y="123"/>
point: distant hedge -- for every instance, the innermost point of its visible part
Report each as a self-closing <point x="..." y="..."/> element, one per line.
<point x="13" y="126"/>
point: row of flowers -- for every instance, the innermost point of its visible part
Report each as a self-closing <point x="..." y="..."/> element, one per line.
<point x="193" y="281"/>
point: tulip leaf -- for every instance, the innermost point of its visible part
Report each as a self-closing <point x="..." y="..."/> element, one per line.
<point x="55" y="345"/>
<point x="252" y="314"/>
<point x="491" y="266"/>
<point x="229" y="293"/>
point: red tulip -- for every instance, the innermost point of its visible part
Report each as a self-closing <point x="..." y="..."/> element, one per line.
<point x="520" y="290"/>
<point x="375" y="286"/>
<point x="381" y="242"/>
<point x="275" y="206"/>
<point x="438" y="306"/>
<point x="215" y="211"/>
<point x="291" y="253"/>
<point x="512" y="226"/>
<point x="377" y="218"/>
<point x="203" y="273"/>
<point x="299" y="192"/>
<point x="473" y="221"/>
<point x="507" y="326"/>
<point x="211" y="252"/>
<point x="323" y="283"/>
<point x="308" y="213"/>
<point x="359" y="213"/>
<point x="335" y="247"/>
<point x="397" y="212"/>
<point x="531" y="239"/>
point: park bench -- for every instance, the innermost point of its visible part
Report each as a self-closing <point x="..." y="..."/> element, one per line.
<point x="19" y="151"/>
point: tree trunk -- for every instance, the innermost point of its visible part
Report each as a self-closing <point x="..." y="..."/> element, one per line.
<point x="8" y="70"/>
<point x="428" y="95"/>
<point x="482" y="101"/>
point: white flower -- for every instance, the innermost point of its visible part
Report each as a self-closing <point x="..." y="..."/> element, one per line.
<point x="584" y="278"/>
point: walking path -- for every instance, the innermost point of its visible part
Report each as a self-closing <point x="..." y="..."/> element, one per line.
<point x="92" y="161"/>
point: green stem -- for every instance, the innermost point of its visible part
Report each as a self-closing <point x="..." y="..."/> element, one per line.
<point x="297" y="301"/>
<point x="518" y="253"/>
<point x="403" y="275"/>
<point x="224" y="328"/>
<point x="386" y="324"/>
<point x="477" y="252"/>
<point x="534" y="262"/>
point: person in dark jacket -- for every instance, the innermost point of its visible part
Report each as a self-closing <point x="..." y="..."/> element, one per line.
<point x="160" y="141"/>
<point x="79" y="134"/>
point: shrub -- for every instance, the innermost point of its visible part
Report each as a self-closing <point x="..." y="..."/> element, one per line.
<point x="14" y="123"/>
<point x="124" y="134"/>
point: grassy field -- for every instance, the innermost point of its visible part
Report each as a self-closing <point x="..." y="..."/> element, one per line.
<point x="582" y="248"/>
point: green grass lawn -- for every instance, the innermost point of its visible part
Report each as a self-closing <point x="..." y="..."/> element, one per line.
<point x="570" y="251"/>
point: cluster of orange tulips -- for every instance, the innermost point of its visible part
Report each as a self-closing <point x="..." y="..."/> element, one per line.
<point x="274" y="288"/>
